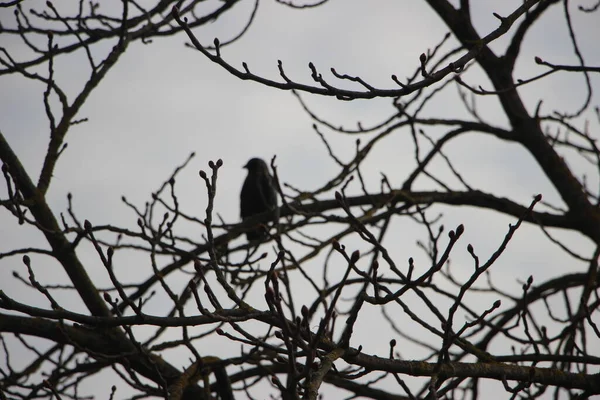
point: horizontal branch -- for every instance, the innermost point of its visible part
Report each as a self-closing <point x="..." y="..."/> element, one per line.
<point x="497" y="371"/>
<point x="326" y="89"/>
<point x="99" y="342"/>
<point x="474" y="198"/>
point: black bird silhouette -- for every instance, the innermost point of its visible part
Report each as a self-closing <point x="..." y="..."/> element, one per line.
<point x="258" y="195"/>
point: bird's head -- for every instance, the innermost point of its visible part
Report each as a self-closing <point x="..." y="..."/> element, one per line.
<point x="256" y="164"/>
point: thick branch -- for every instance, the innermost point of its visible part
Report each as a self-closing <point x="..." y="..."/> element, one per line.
<point x="525" y="127"/>
<point x="61" y="247"/>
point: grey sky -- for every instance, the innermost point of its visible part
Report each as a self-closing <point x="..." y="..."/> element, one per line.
<point x="163" y="101"/>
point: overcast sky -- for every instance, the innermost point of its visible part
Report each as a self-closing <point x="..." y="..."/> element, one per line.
<point x="163" y="101"/>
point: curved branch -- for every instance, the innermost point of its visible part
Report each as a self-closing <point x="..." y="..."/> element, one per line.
<point x="512" y="52"/>
<point x="326" y="89"/>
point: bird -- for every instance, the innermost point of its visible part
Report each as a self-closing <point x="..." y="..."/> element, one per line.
<point x="258" y="196"/>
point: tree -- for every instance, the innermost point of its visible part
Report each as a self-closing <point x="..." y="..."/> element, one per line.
<point x="358" y="288"/>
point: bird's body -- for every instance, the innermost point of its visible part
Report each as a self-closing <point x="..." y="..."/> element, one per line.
<point x="258" y="195"/>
